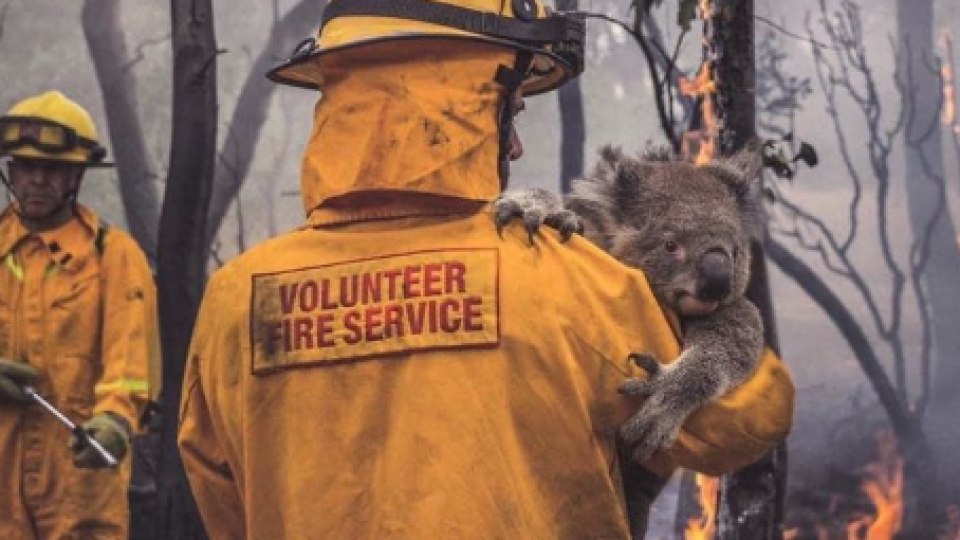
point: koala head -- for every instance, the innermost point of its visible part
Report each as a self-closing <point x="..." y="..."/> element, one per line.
<point x="688" y="227"/>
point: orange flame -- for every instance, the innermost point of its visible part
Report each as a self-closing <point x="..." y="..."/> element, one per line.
<point x="703" y="141"/>
<point x="706" y="9"/>
<point x="884" y="487"/>
<point x="704" y="527"/>
<point x="949" y="87"/>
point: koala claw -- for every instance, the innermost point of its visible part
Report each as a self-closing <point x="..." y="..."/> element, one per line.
<point x="532" y="221"/>
<point x="646" y="361"/>
<point x="504" y="212"/>
<point x="646" y="387"/>
<point x="648" y="432"/>
<point x="566" y="222"/>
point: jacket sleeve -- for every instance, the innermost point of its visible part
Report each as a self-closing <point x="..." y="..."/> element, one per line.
<point x="204" y="454"/>
<point x="130" y="339"/>
<point x="737" y="429"/>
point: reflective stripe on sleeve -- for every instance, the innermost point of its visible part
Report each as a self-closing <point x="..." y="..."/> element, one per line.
<point x="134" y="386"/>
<point x="14" y="266"/>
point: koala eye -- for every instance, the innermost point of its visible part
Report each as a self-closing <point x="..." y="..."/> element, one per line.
<point x="671" y="246"/>
<point x="736" y="252"/>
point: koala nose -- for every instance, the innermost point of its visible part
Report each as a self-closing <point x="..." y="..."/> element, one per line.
<point x="715" y="273"/>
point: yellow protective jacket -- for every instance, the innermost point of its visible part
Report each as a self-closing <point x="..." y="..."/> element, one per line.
<point x="79" y="304"/>
<point x="394" y="369"/>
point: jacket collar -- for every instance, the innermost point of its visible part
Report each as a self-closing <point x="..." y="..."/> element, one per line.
<point x="385" y="205"/>
<point x="68" y="244"/>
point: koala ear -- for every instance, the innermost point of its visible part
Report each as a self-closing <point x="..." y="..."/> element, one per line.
<point x="658" y="153"/>
<point x="741" y="171"/>
<point x="598" y="198"/>
<point x="610" y="156"/>
<point x="749" y="160"/>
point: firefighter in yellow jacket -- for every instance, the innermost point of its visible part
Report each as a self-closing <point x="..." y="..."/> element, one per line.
<point x="77" y="323"/>
<point x="393" y="368"/>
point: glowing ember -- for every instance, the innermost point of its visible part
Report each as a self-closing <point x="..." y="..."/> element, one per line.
<point x="704" y="527"/>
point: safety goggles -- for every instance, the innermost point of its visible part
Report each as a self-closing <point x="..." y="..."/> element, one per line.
<point x="44" y="135"/>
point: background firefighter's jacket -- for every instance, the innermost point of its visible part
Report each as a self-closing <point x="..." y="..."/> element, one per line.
<point x="83" y="312"/>
<point x="394" y="369"/>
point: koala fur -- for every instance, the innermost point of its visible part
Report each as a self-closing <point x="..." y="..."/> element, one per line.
<point x="689" y="229"/>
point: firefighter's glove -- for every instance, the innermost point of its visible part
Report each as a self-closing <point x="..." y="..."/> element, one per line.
<point x="13" y="375"/>
<point x="107" y="429"/>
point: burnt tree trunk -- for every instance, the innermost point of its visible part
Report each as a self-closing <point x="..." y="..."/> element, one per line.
<point x="141" y="203"/>
<point x="752" y="499"/>
<point x="925" y="201"/>
<point x="182" y="253"/>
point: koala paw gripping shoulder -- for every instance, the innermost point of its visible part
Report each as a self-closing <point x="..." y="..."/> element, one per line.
<point x="536" y="207"/>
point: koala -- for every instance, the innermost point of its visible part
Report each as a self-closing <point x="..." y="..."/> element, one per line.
<point x="689" y="228"/>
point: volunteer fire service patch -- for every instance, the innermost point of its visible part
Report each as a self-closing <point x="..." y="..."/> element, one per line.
<point x="347" y="311"/>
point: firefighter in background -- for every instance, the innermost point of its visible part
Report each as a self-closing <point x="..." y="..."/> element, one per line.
<point x="393" y="368"/>
<point x="77" y="323"/>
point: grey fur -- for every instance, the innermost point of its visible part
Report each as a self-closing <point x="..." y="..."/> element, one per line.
<point x="664" y="215"/>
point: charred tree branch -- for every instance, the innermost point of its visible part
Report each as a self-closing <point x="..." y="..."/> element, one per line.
<point x="140" y="51"/>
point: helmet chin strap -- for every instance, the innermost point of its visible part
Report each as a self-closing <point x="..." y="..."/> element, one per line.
<point x="510" y="79"/>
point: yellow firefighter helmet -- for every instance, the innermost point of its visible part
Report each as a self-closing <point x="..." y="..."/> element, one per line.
<point x="51" y="127"/>
<point x="554" y="41"/>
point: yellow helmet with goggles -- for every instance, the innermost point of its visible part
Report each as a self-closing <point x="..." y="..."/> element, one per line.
<point x="552" y="42"/>
<point x="51" y="127"/>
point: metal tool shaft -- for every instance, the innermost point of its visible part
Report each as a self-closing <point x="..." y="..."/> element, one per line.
<point x="84" y="437"/>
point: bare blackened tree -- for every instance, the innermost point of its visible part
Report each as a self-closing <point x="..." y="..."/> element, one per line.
<point x="141" y="203"/>
<point x="925" y="194"/>
<point x="182" y="251"/>
<point x="844" y="74"/>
